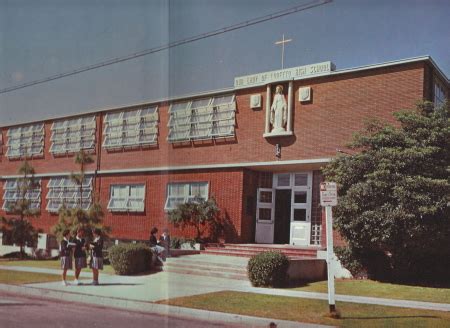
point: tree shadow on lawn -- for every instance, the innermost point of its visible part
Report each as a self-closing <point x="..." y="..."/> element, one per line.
<point x="298" y="283"/>
<point x="142" y="274"/>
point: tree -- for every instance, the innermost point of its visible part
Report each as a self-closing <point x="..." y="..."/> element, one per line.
<point x="18" y="228"/>
<point x="81" y="159"/>
<point x="201" y="215"/>
<point x="394" y="195"/>
<point x="73" y="218"/>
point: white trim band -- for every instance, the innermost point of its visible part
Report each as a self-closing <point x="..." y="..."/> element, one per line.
<point x="187" y="167"/>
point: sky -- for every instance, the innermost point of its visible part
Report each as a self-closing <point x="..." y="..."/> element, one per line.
<point x="43" y="38"/>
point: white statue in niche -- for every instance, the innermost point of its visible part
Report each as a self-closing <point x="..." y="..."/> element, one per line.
<point x="278" y="111"/>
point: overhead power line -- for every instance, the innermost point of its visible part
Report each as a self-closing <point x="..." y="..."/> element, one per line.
<point x="146" y="52"/>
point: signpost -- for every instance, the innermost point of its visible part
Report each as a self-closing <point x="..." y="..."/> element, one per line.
<point x="328" y="199"/>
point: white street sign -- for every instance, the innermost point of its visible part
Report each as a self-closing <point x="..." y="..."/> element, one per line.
<point x="328" y="194"/>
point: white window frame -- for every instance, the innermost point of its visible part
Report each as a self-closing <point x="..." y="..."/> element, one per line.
<point x="25" y="141"/>
<point x="131" y="128"/>
<point x="187" y="195"/>
<point x="73" y="135"/>
<point x="11" y="194"/>
<point x="62" y="190"/>
<point x="127" y="200"/>
<point x="203" y="118"/>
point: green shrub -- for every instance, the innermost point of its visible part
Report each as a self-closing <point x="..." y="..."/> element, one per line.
<point x="130" y="258"/>
<point x="268" y="269"/>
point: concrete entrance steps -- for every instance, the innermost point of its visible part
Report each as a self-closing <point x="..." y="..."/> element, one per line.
<point x="208" y="265"/>
<point x="248" y="250"/>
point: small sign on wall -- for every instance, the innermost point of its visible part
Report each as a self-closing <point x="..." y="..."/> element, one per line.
<point x="328" y="194"/>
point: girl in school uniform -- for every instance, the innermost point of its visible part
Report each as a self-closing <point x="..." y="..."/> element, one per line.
<point x="96" y="247"/>
<point x="65" y="252"/>
<point x="79" y="254"/>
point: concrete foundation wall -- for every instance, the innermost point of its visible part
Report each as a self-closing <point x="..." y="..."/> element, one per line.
<point x="307" y="269"/>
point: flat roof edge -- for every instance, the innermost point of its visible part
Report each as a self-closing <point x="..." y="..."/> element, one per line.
<point x="232" y="89"/>
<point x="393" y="63"/>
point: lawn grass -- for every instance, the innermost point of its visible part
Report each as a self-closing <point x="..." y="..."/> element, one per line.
<point x="312" y="311"/>
<point x="380" y="289"/>
<point x="11" y="277"/>
<point x="47" y="264"/>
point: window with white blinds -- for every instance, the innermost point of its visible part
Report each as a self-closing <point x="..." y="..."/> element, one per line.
<point x="205" y="118"/>
<point x="73" y="135"/>
<point x="25" y="141"/>
<point x="127" y="198"/>
<point x="181" y="193"/>
<point x="131" y="128"/>
<point x="13" y="193"/>
<point x="64" y="191"/>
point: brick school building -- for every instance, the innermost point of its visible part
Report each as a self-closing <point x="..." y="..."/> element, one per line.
<point x="257" y="148"/>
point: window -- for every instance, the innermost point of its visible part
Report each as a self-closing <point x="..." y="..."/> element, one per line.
<point x="12" y="194"/>
<point x="63" y="191"/>
<point x="129" y="198"/>
<point x="131" y="128"/>
<point x="439" y="93"/>
<point x="181" y="193"/>
<point x="200" y="119"/>
<point x="72" y="135"/>
<point x="25" y="141"/>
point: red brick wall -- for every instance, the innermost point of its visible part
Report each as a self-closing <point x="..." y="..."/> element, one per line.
<point x="225" y="186"/>
<point x="45" y="220"/>
<point x="340" y="105"/>
<point x="47" y="163"/>
<point x="428" y="83"/>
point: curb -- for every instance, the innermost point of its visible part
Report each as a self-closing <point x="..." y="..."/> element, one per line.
<point x="153" y="308"/>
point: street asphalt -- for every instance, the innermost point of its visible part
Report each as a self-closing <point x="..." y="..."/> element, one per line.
<point x="20" y="312"/>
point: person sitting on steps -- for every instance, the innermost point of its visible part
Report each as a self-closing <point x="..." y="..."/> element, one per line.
<point x="159" y="251"/>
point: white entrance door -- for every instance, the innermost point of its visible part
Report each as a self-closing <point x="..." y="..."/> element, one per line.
<point x="265" y="216"/>
<point x="301" y="209"/>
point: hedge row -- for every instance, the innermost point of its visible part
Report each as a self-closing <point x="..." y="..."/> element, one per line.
<point x="268" y="269"/>
<point x="129" y="259"/>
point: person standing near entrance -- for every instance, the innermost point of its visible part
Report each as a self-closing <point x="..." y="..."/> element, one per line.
<point x="79" y="254"/>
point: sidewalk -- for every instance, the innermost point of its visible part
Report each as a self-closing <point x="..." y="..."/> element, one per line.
<point x="137" y="293"/>
<point x="166" y="285"/>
